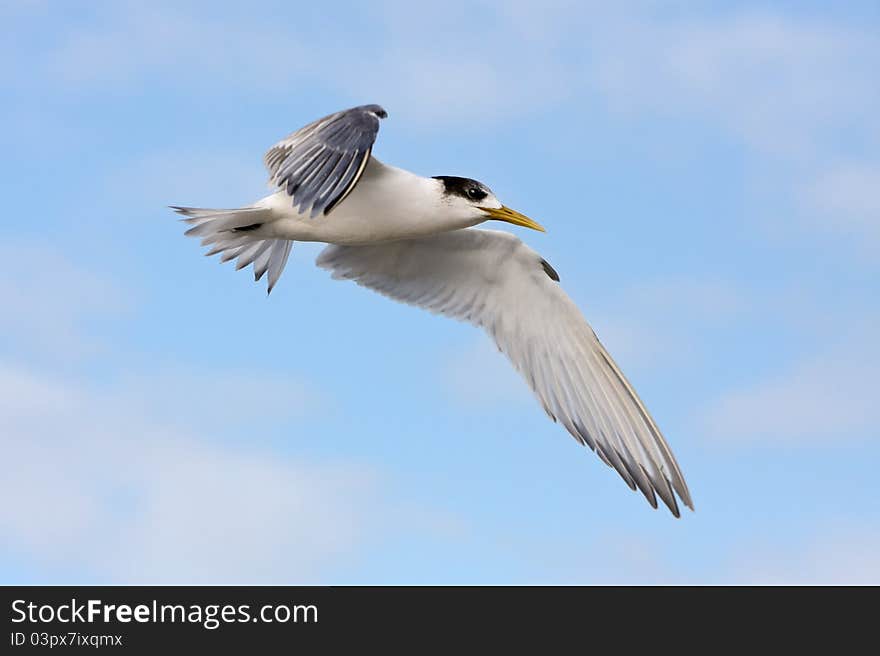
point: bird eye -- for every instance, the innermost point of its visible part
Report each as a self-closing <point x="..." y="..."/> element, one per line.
<point x="475" y="193"/>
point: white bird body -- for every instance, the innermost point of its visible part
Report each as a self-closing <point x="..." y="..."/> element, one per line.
<point x="388" y="203"/>
<point x="412" y="239"/>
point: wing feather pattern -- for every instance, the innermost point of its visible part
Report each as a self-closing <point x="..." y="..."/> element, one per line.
<point x="491" y="279"/>
<point x="320" y="164"/>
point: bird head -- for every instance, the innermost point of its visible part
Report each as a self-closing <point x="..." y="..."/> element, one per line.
<point x="474" y="202"/>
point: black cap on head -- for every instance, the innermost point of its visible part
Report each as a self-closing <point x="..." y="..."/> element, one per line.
<point x="465" y="187"/>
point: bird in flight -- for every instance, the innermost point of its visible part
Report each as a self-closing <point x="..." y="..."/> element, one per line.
<point x="413" y="239"/>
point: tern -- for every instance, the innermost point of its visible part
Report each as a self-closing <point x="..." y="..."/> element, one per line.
<point x="413" y="239"/>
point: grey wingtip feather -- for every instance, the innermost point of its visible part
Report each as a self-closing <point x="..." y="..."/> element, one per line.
<point x="321" y="163"/>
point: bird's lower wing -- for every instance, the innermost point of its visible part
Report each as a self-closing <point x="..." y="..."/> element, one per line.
<point x="491" y="279"/>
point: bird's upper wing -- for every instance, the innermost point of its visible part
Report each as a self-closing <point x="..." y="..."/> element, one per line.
<point x="319" y="164"/>
<point x="491" y="279"/>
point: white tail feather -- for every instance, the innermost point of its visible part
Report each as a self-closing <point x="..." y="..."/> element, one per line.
<point x="234" y="234"/>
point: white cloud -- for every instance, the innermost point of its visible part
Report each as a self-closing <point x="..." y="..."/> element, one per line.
<point x="825" y="550"/>
<point x="51" y="305"/>
<point x="116" y="493"/>
<point x="785" y="85"/>
<point x="798" y="93"/>
<point x="127" y="42"/>
<point x="846" y="200"/>
<point x="428" y="64"/>
<point x="782" y="83"/>
<point x="464" y="63"/>
<point x="157" y="473"/>
<point x="133" y="471"/>
<point x="830" y="396"/>
<point x="842" y="554"/>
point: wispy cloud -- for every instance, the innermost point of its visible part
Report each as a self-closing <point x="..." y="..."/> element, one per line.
<point x="829" y="552"/>
<point x="783" y="84"/>
<point x="125" y="43"/>
<point x="846" y="201"/>
<point x="787" y="86"/>
<point x="843" y="553"/>
<point x="830" y="396"/>
<point x="52" y="307"/>
<point x="797" y="94"/>
<point x="153" y="472"/>
<point x="431" y="64"/>
<point x="134" y="499"/>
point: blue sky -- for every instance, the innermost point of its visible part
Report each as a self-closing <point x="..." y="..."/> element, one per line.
<point x="710" y="179"/>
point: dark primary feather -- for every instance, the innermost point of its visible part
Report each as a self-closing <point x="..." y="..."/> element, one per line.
<point x="549" y="270"/>
<point x="319" y="164"/>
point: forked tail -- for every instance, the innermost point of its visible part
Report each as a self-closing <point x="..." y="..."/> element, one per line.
<point x="231" y="234"/>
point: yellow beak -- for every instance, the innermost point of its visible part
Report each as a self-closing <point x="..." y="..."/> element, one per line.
<point x="512" y="216"/>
